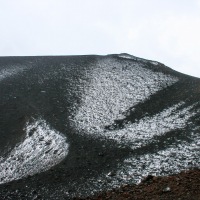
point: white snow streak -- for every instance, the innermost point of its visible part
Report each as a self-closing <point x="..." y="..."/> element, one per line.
<point x="169" y="161"/>
<point x="127" y="56"/>
<point x="6" y="73"/>
<point x="42" y="148"/>
<point x="112" y="90"/>
<point x="140" y="133"/>
<point x="177" y="156"/>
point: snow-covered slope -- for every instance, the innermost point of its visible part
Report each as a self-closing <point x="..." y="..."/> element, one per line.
<point x="87" y="123"/>
<point x="113" y="89"/>
<point x="41" y="149"/>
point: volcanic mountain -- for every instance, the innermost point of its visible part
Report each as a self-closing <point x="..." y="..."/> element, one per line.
<point x="75" y="125"/>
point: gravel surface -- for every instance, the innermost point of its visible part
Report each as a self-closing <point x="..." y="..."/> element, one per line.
<point x="74" y="126"/>
<point x="185" y="185"/>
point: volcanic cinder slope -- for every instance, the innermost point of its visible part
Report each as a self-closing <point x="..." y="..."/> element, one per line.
<point x="75" y="125"/>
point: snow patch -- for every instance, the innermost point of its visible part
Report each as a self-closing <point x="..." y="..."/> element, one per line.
<point x="5" y="73"/>
<point x="172" y="160"/>
<point x="112" y="90"/>
<point x="127" y="56"/>
<point x="142" y="132"/>
<point x="42" y="148"/>
<point x="177" y="156"/>
<point x="154" y="62"/>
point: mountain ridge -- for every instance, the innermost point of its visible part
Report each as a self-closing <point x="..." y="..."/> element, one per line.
<point x="102" y="121"/>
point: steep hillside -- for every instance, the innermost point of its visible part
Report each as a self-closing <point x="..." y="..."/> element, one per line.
<point x="76" y="125"/>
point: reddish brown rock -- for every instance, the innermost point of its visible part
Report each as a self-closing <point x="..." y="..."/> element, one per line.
<point x="183" y="186"/>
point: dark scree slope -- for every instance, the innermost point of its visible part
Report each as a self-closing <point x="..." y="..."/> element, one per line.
<point x="76" y="125"/>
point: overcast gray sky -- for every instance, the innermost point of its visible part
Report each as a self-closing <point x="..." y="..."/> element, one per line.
<point x="164" y="30"/>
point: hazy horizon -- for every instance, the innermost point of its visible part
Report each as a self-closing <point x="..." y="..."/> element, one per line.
<point x="167" y="32"/>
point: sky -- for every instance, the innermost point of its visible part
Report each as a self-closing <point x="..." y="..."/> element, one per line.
<point x="167" y="31"/>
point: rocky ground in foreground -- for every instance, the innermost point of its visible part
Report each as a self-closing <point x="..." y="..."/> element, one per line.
<point x="184" y="186"/>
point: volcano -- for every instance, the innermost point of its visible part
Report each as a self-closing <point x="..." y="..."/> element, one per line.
<point x="76" y="125"/>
